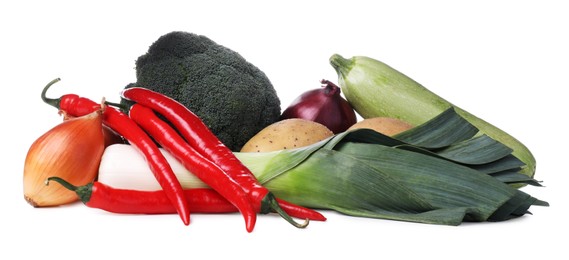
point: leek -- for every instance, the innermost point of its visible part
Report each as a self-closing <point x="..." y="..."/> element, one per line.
<point x="441" y="172"/>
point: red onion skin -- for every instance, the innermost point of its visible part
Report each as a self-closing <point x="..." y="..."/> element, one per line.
<point x="324" y="106"/>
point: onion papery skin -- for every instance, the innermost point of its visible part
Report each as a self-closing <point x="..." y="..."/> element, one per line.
<point x="71" y="150"/>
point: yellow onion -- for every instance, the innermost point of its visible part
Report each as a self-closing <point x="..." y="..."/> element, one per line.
<point x="71" y="150"/>
<point x="111" y="137"/>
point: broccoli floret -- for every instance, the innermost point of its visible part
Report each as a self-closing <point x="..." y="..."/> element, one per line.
<point x="234" y="98"/>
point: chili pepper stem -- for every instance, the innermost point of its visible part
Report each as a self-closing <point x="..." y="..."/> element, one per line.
<point x="84" y="192"/>
<point x="122" y="107"/>
<point x="270" y="203"/>
<point x="50" y="101"/>
<point x="115" y="104"/>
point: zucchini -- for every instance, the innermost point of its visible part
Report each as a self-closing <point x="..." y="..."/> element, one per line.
<point x="375" y="89"/>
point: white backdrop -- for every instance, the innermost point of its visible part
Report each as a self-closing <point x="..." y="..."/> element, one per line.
<point x="505" y="61"/>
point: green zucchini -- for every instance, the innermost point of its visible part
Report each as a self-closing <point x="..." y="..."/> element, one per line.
<point x="375" y="89"/>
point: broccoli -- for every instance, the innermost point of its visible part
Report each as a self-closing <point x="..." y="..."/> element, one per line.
<point x="234" y="98"/>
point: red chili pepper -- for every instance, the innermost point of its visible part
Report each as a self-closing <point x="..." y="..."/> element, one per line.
<point x="300" y="212"/>
<point x="205" y="142"/>
<point x="122" y="124"/>
<point x="101" y="196"/>
<point x="70" y="103"/>
<point x="203" y="168"/>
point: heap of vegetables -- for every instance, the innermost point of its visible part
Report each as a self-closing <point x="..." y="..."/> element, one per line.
<point x="440" y="172"/>
<point x="199" y="150"/>
<point x="438" y="164"/>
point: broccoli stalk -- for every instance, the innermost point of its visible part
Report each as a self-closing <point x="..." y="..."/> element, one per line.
<point x="234" y="98"/>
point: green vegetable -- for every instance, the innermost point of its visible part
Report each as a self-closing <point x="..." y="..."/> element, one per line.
<point x="454" y="176"/>
<point x="375" y="89"/>
<point x="467" y="177"/>
<point x="234" y="98"/>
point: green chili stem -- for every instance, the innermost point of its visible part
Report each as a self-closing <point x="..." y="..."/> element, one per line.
<point x="50" y="101"/>
<point x="123" y="107"/>
<point x="83" y="192"/>
<point x="115" y="104"/>
<point x="63" y="182"/>
<point x="270" y="203"/>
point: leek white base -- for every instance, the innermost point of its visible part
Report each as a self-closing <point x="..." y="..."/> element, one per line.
<point x="122" y="166"/>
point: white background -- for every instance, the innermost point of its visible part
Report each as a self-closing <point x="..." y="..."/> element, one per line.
<point x="505" y="61"/>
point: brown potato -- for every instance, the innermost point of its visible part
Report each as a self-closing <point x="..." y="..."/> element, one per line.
<point x="287" y="134"/>
<point x="385" y="125"/>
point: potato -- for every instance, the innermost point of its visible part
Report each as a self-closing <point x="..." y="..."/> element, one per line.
<point x="287" y="134"/>
<point x="385" y="125"/>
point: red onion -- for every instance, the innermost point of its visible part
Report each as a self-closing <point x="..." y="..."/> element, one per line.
<point x="324" y="106"/>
